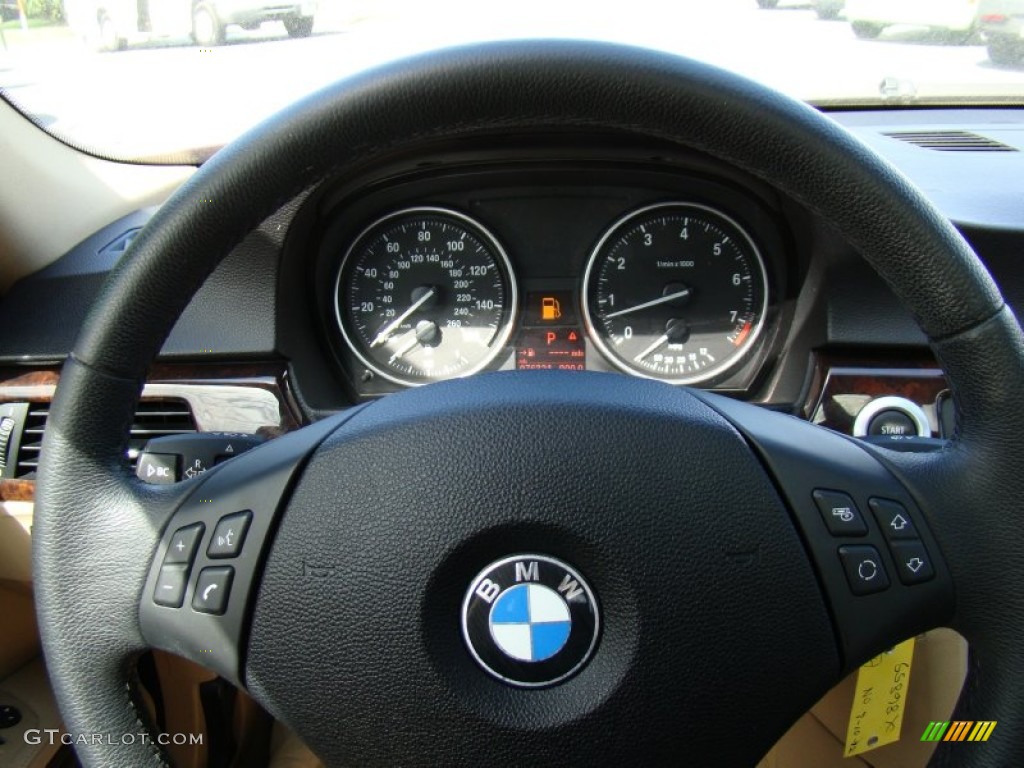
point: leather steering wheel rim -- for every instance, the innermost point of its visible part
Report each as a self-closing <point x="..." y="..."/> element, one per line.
<point x="88" y="598"/>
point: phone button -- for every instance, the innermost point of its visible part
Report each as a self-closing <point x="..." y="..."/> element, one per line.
<point x="212" y="590"/>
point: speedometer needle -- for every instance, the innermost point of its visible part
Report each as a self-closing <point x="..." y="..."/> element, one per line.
<point x="657" y="343"/>
<point x="652" y="303"/>
<point x="388" y="329"/>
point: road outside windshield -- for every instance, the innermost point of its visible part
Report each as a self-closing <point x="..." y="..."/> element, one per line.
<point x="128" y="79"/>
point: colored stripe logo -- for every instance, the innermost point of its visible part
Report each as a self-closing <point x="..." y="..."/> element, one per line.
<point x="959" y="730"/>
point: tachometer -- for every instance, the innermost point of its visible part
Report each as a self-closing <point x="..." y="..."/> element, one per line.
<point x="676" y="292"/>
<point x="425" y="294"/>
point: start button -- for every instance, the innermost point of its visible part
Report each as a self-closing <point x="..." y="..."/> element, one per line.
<point x="892" y="422"/>
<point x="892" y="417"/>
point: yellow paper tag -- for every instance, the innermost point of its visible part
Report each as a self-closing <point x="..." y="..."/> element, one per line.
<point x="880" y="700"/>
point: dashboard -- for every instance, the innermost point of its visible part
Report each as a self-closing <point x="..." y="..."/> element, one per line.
<point x="572" y="251"/>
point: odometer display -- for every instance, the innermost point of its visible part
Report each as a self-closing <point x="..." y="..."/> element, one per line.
<point x="676" y="292"/>
<point x="425" y="294"/>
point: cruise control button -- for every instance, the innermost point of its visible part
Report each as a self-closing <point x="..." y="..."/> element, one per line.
<point x="212" y="590"/>
<point x="912" y="562"/>
<point x="893" y="519"/>
<point x="183" y="545"/>
<point x="229" y="535"/>
<point x="864" y="569"/>
<point x="170" y="586"/>
<point x="840" y="514"/>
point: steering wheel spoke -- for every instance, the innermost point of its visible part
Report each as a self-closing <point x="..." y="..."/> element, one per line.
<point x="198" y="593"/>
<point x="876" y="558"/>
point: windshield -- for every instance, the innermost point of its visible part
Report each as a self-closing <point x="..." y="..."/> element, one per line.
<point x="166" y="80"/>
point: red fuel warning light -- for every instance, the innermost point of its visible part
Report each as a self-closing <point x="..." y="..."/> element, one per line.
<point x="551" y="349"/>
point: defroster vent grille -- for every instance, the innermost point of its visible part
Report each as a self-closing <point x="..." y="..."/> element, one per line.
<point x="153" y="418"/>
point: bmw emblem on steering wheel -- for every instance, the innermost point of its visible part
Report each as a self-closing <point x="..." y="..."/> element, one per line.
<point x="530" y="620"/>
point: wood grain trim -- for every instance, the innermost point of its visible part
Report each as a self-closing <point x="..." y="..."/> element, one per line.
<point x="223" y="397"/>
<point x="846" y="386"/>
<point x="17" y="490"/>
<point x="31" y="386"/>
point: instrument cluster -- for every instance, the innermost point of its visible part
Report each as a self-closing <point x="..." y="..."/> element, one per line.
<point x="645" y="272"/>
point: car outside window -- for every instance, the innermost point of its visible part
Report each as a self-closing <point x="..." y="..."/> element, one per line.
<point x="166" y="80"/>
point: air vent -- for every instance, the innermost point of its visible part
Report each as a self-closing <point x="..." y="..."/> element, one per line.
<point x="121" y="242"/>
<point x="153" y="418"/>
<point x="32" y="438"/>
<point x="951" y="141"/>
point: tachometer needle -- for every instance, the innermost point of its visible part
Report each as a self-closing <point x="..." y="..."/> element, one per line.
<point x="652" y="303"/>
<point x="657" y="343"/>
<point x="388" y="329"/>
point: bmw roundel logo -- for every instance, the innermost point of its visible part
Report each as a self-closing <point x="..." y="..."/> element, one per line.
<point x="530" y="620"/>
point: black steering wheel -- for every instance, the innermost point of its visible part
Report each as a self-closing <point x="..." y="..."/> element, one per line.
<point x="727" y="606"/>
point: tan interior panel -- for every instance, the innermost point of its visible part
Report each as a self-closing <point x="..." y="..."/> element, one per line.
<point x="15" y="542"/>
<point x="82" y="194"/>
<point x="936" y="679"/>
<point x="20" y="643"/>
<point x="183" y="709"/>
<point x="28" y="689"/>
<point x="288" y="751"/>
<point x="180" y="682"/>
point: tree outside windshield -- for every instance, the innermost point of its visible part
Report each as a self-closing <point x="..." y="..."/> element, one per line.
<point x="173" y="79"/>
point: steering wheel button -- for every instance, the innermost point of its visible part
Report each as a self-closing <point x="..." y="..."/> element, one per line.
<point x="229" y="535"/>
<point x="912" y="562"/>
<point x="840" y="513"/>
<point x="158" y="468"/>
<point x="170" y="586"/>
<point x="10" y="716"/>
<point x="893" y="519"/>
<point x="864" y="569"/>
<point x="212" y="590"/>
<point x="184" y="543"/>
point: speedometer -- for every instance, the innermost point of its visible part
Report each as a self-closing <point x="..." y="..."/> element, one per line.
<point x="675" y="291"/>
<point x="425" y="294"/>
